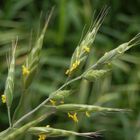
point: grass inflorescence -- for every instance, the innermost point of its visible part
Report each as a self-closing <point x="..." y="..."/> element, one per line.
<point x="56" y="100"/>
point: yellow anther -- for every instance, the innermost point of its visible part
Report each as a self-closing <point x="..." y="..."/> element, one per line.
<point x="77" y="62"/>
<point x="3" y="98"/>
<point x="87" y="114"/>
<point x="42" y="137"/>
<point x="73" y="117"/>
<point x="25" y="70"/>
<point x="73" y="67"/>
<point x="86" y="49"/>
<point x="53" y="102"/>
<point x="67" y="72"/>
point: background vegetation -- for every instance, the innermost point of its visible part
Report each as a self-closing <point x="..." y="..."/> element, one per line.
<point x="121" y="88"/>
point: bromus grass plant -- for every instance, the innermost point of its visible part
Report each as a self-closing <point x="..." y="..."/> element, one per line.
<point x="18" y="126"/>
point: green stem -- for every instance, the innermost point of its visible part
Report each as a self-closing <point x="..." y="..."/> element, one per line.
<point x="24" y="128"/>
<point x="45" y="101"/>
<point x="18" y="106"/>
<point x="9" y="117"/>
<point x="4" y="132"/>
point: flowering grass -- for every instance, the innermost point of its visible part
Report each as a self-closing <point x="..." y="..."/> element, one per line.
<point x="18" y="126"/>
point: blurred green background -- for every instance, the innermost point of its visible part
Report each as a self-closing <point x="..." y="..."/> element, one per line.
<point x="121" y="88"/>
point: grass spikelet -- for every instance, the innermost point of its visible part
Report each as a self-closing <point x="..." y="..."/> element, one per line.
<point x="9" y="86"/>
<point x="92" y="75"/>
<point x="117" y="52"/>
<point x="82" y="50"/>
<point x="53" y="132"/>
<point x="87" y="108"/>
<point x="32" y="61"/>
<point x="61" y="95"/>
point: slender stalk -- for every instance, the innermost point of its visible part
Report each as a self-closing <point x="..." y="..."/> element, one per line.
<point x="18" y="106"/>
<point x="9" y="117"/>
<point x="45" y="101"/>
<point x="69" y="82"/>
<point x="24" y="128"/>
<point x="2" y="133"/>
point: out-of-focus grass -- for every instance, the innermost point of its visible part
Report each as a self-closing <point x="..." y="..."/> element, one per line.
<point x="119" y="89"/>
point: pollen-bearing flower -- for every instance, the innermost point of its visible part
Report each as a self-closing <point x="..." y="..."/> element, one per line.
<point x="25" y="70"/>
<point x="73" y="67"/>
<point x="87" y="114"/>
<point x="86" y="49"/>
<point x="73" y="117"/>
<point x="3" y="98"/>
<point x="53" y="102"/>
<point x="42" y="137"/>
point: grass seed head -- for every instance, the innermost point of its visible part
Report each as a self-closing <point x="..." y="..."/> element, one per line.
<point x="86" y="108"/>
<point x="92" y="75"/>
<point x="53" y="132"/>
<point x="117" y="52"/>
<point x="82" y="50"/>
<point x="32" y="61"/>
<point x="61" y="95"/>
<point x="9" y="86"/>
